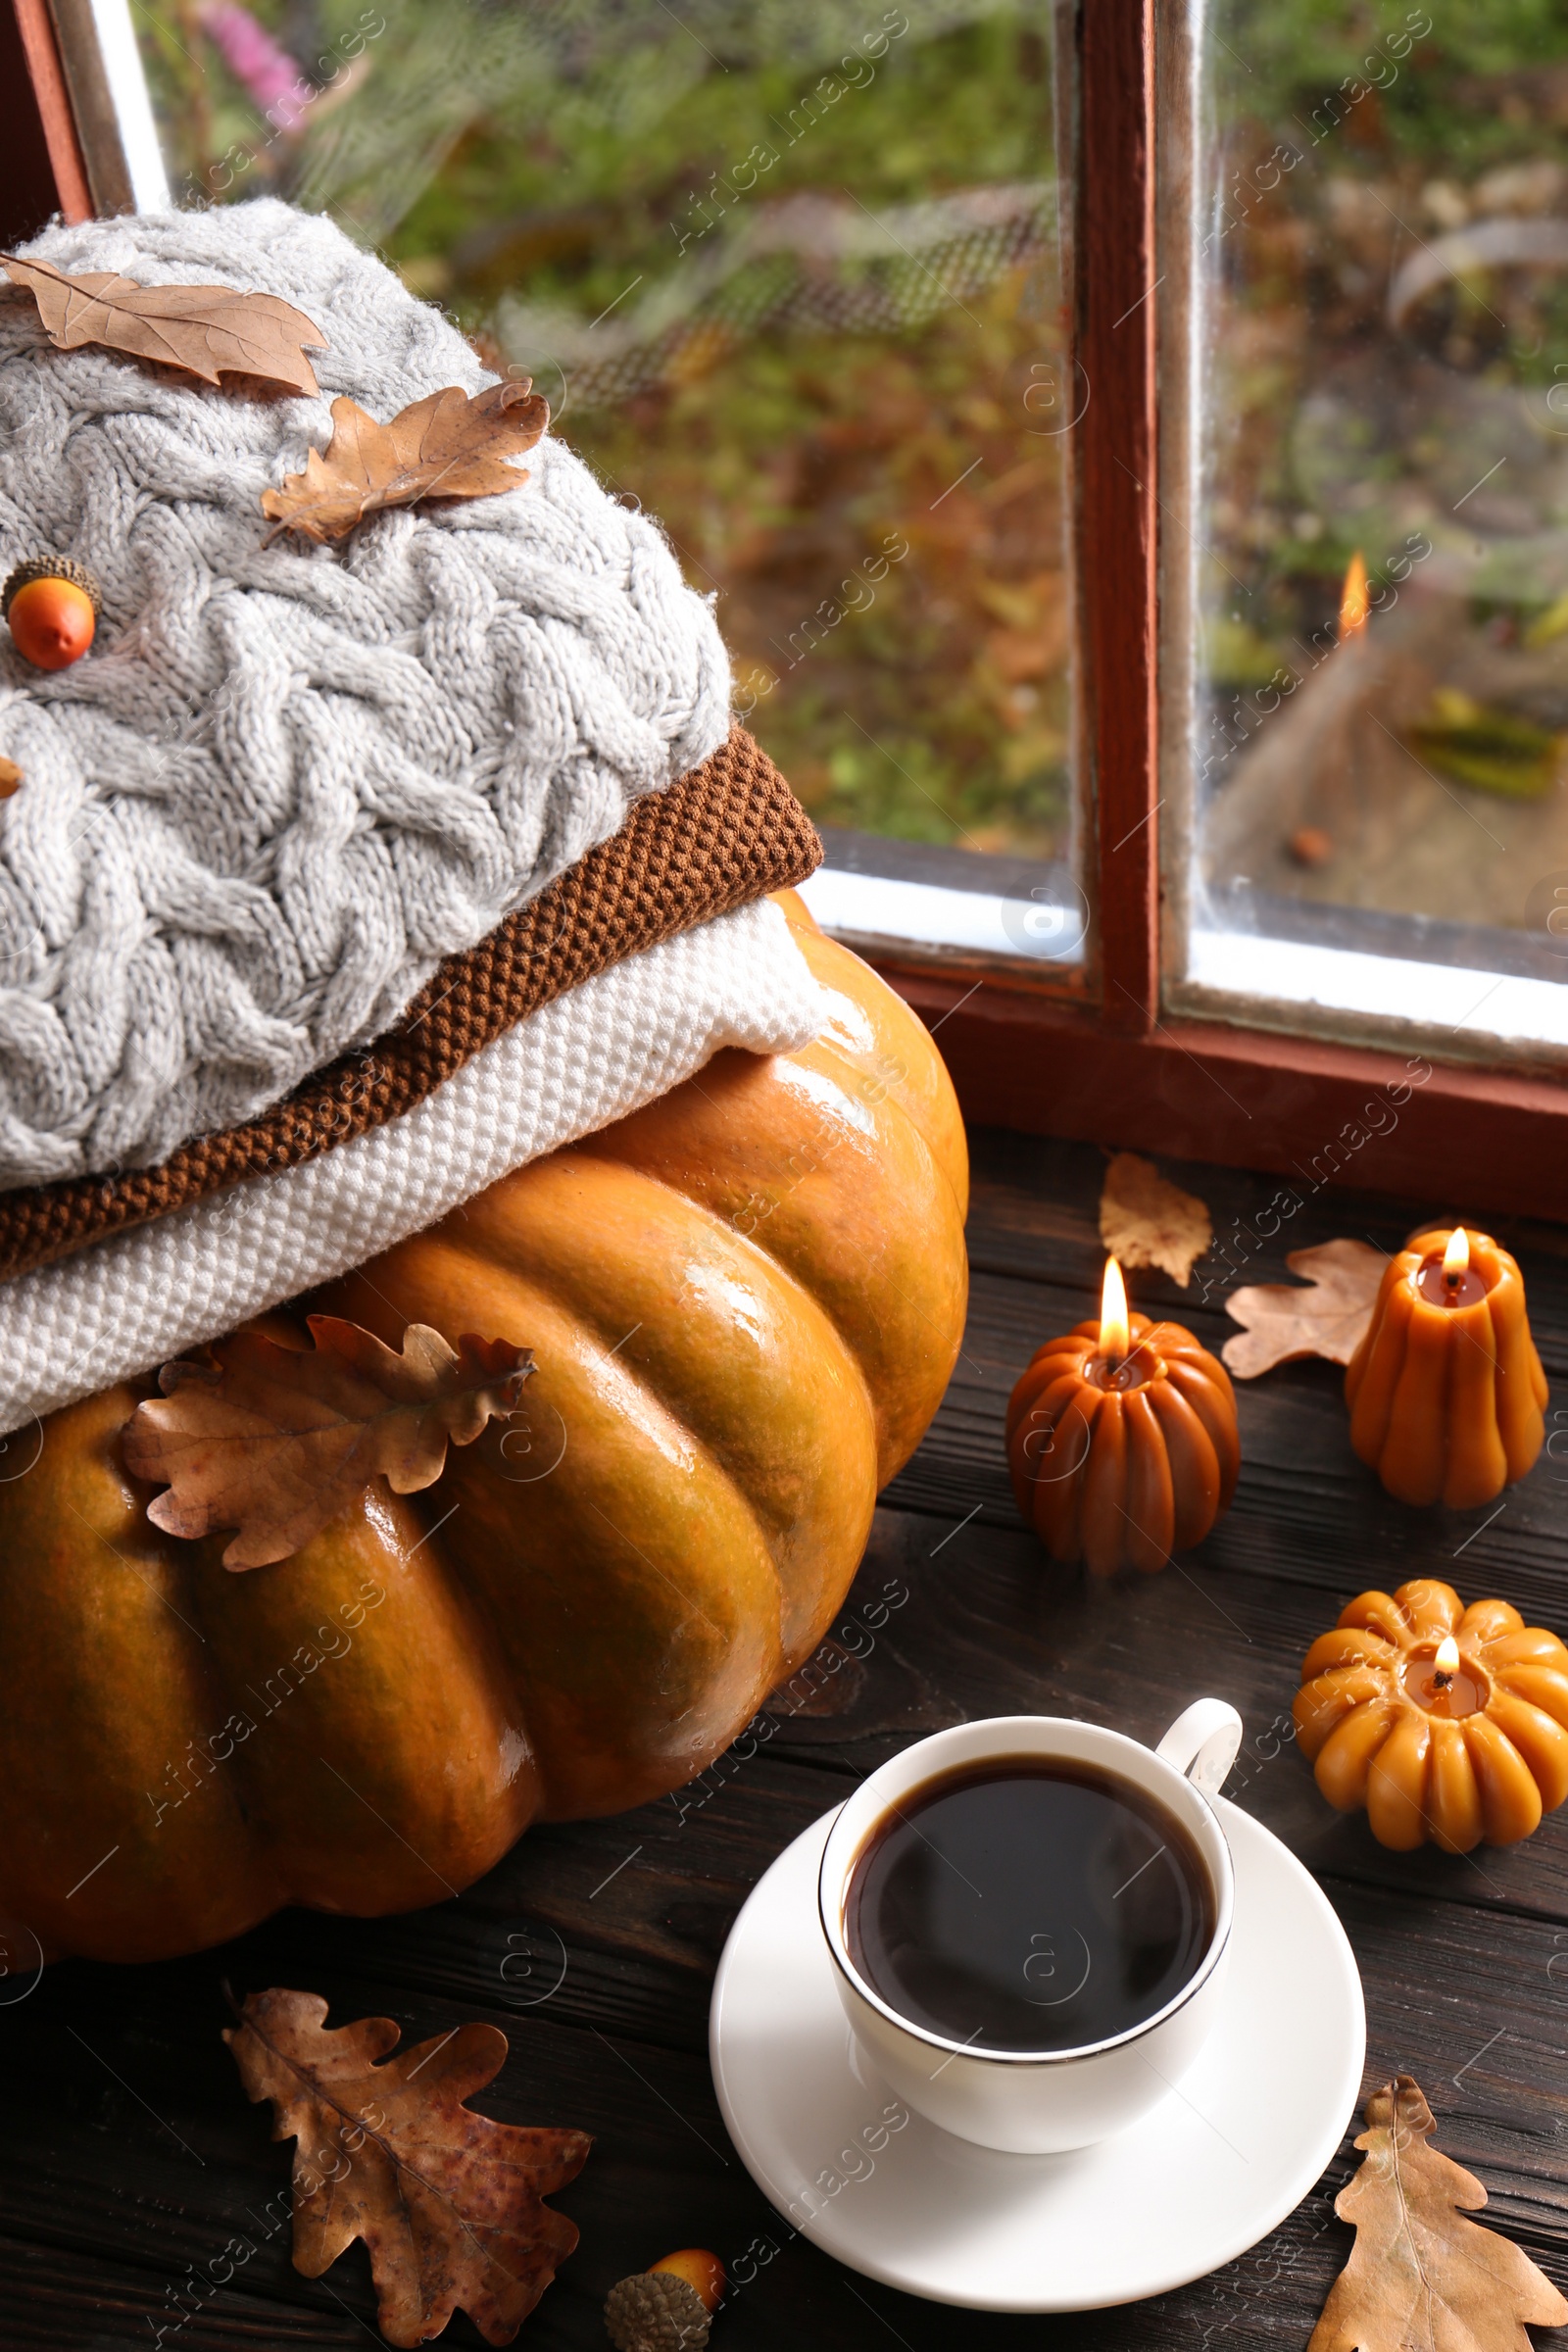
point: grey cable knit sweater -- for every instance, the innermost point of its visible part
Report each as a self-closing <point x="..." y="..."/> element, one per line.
<point x="286" y="782"/>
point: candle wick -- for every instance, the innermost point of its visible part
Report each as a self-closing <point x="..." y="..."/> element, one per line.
<point x="1440" y="1679"/>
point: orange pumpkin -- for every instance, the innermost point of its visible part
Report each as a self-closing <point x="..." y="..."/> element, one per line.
<point x="746" y="1300"/>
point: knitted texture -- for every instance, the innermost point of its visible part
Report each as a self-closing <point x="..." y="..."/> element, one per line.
<point x="716" y="839"/>
<point x="286" y="782"/>
<point x="620" y="1040"/>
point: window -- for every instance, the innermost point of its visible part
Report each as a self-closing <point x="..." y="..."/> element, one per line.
<point x="1034" y="383"/>
<point x="1377" y="838"/>
<point x="791" y="282"/>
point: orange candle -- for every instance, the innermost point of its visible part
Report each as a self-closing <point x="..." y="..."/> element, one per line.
<point x="1445" y="1391"/>
<point x="1122" y="1440"/>
<point x="1447" y="1722"/>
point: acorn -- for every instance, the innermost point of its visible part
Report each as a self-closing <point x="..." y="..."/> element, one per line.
<point x="667" y="2309"/>
<point x="52" y="603"/>
<point x="10" y="777"/>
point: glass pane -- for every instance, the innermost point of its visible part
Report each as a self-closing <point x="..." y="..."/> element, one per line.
<point x="789" y="277"/>
<point x="1381" y="735"/>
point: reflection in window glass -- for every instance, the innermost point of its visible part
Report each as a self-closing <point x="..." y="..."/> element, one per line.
<point x="788" y="276"/>
<point x="1382" y="741"/>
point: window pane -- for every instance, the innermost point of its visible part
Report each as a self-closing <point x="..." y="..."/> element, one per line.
<point x="1381" y="732"/>
<point x="789" y="277"/>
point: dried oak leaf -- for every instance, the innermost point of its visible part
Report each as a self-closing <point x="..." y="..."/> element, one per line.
<point x="209" y="331"/>
<point x="450" y="2204"/>
<point x="444" y="446"/>
<point x="276" y="1440"/>
<point x="1328" y="1317"/>
<point x="1420" y="2273"/>
<point x="1143" y="1221"/>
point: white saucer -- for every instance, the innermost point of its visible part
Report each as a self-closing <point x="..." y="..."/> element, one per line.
<point x="1222" y="2159"/>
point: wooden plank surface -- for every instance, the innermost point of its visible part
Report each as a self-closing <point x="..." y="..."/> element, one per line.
<point x="130" y="2166"/>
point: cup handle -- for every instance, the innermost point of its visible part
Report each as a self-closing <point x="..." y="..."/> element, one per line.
<point x="1201" y="1743"/>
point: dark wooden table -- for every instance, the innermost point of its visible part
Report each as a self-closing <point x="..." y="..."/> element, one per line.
<point x="129" y="2161"/>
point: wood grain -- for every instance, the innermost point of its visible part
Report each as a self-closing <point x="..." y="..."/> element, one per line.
<point x="1022" y="1058"/>
<point x="27" y="194"/>
<point x="129" y="2162"/>
<point x="1118" y="513"/>
<point x="70" y="194"/>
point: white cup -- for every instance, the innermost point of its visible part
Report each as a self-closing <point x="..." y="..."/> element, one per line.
<point x="1036" y="2103"/>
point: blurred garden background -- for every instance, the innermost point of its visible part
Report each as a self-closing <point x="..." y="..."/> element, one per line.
<point x="1385" y="361"/>
<point x="788" y="276"/>
<point x="786" y="273"/>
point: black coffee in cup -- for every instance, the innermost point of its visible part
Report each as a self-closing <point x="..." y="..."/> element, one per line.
<point x="1028" y="1904"/>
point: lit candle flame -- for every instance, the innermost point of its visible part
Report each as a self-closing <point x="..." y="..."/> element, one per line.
<point x="1115" y="1337"/>
<point x="1456" y="1257"/>
<point x="1446" y="1660"/>
<point x="1354" y="603"/>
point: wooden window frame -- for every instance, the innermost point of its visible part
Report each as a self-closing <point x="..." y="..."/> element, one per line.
<point x="1100" y="1060"/>
<point x="42" y="168"/>
<point x="1115" y="1067"/>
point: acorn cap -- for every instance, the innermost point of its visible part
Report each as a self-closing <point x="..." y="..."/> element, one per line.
<point x="656" y="2312"/>
<point x="51" y="568"/>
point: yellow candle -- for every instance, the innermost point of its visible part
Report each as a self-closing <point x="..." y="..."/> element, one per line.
<point x="1447" y="1722"/>
<point x="1446" y="1390"/>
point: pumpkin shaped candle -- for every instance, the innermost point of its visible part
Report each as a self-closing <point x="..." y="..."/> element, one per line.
<point x="1122" y="1440"/>
<point x="1447" y="1722"/>
<point x="1446" y="1390"/>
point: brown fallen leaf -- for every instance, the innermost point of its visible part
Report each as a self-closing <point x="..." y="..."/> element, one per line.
<point x="444" y="446"/>
<point x="1419" y="2273"/>
<point x="1143" y="1221"/>
<point x="209" y="331"/>
<point x="1325" y="1314"/>
<point x="276" y="1440"/>
<point x="450" y="2204"/>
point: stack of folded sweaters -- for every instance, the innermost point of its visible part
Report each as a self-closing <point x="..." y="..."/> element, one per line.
<point x="341" y="880"/>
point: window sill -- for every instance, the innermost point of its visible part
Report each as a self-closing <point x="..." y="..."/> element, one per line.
<point x="1318" y="1114"/>
<point x="908" y="900"/>
<point x="1458" y="1012"/>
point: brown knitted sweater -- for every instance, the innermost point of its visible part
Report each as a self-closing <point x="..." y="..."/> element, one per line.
<point x="720" y="837"/>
